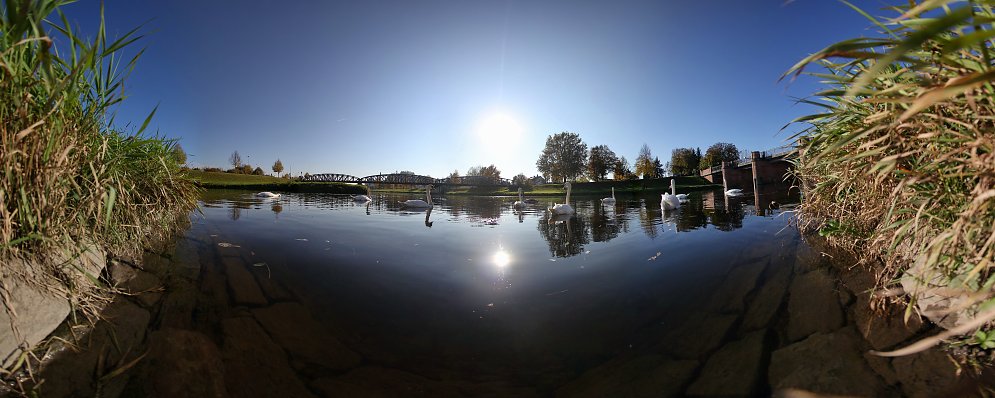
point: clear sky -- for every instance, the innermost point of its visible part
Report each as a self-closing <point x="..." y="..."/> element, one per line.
<point x="367" y="87"/>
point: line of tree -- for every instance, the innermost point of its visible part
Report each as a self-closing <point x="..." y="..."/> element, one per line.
<point x="688" y="161"/>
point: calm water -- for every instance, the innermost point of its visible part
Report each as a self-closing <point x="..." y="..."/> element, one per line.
<point x="475" y="290"/>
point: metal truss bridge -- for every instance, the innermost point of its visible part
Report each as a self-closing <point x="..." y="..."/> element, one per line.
<point x="408" y="179"/>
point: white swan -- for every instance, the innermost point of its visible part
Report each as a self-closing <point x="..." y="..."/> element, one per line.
<point x="734" y="192"/>
<point x="563" y="208"/>
<point x="670" y="201"/>
<point x="520" y="203"/>
<point x="267" y="194"/>
<point x="611" y="200"/>
<point x="361" y="198"/>
<point x="418" y="203"/>
<point x="682" y="197"/>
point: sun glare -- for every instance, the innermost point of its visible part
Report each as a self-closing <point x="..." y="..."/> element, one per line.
<point x="499" y="131"/>
<point x="501" y="258"/>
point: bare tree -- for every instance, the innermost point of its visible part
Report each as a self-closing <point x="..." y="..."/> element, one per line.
<point x="235" y="159"/>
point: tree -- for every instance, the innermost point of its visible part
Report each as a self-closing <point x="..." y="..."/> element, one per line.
<point x="684" y="161"/>
<point x="454" y="176"/>
<point x="179" y="155"/>
<point x="258" y="171"/>
<point x="563" y="158"/>
<point x="235" y="159"/>
<point x="644" y="163"/>
<point x="482" y="171"/>
<point x="521" y="181"/>
<point x="601" y="161"/>
<point x="245" y="169"/>
<point x="621" y="169"/>
<point x="718" y="153"/>
<point x="657" y="168"/>
<point x="278" y="167"/>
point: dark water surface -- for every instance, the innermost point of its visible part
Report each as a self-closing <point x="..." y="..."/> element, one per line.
<point x="476" y="290"/>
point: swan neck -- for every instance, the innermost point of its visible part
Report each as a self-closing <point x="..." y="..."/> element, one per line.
<point x="568" y="194"/>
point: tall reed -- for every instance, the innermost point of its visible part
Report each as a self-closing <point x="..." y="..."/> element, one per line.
<point x="899" y="165"/>
<point x="69" y="177"/>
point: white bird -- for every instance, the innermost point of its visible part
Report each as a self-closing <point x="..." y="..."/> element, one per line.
<point x="670" y="201"/>
<point x="520" y="203"/>
<point x="268" y="194"/>
<point x="734" y="192"/>
<point x="682" y="197"/>
<point x="563" y="208"/>
<point x="361" y="198"/>
<point x="611" y="200"/>
<point x="418" y="203"/>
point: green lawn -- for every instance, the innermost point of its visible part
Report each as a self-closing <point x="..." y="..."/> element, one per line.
<point x="269" y="183"/>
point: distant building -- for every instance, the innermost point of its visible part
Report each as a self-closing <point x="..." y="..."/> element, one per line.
<point x="538" y="180"/>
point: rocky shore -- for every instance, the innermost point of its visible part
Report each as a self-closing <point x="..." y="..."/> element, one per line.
<point x="203" y="319"/>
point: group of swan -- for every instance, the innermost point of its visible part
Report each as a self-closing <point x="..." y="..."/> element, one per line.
<point x="672" y="200"/>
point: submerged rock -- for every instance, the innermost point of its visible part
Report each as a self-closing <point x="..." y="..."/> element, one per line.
<point x="813" y="305"/>
<point x="293" y="328"/>
<point x="734" y="370"/>
<point x="644" y="376"/>
<point x="255" y="366"/>
<point x="825" y="363"/>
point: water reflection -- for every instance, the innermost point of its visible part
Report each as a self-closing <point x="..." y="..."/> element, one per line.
<point x="565" y="236"/>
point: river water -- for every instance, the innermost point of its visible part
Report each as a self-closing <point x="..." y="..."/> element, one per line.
<point x="474" y="297"/>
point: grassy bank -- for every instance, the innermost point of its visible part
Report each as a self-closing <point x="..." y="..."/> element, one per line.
<point x="215" y="180"/>
<point x="899" y="165"/>
<point x="72" y="181"/>
<point x="684" y="184"/>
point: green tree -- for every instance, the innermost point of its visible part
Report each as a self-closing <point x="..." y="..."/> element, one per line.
<point x="600" y="162"/>
<point x="644" y="163"/>
<point x="563" y="158"/>
<point x="718" y="153"/>
<point x="278" y="167"/>
<point x="684" y="161"/>
<point x="658" y="169"/>
<point x="235" y="159"/>
<point x="179" y="155"/>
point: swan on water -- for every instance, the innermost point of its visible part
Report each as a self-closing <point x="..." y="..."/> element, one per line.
<point x="361" y="198"/>
<point x="563" y="208"/>
<point x="734" y="192"/>
<point x="611" y="200"/>
<point x="520" y="203"/>
<point x="418" y="203"/>
<point x="670" y="201"/>
<point x="267" y="194"/>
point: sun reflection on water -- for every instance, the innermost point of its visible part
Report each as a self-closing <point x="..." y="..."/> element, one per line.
<point x="501" y="258"/>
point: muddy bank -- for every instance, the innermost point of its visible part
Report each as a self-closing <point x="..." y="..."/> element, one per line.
<point x="204" y="318"/>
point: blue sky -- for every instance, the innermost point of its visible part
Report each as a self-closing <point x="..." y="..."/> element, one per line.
<point x="367" y="87"/>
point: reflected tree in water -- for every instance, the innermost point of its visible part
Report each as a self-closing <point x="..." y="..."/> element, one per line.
<point x="604" y="224"/>
<point x="276" y="208"/>
<point x="691" y="216"/>
<point x="566" y="235"/>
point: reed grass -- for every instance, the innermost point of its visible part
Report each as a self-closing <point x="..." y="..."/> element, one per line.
<point x="70" y="178"/>
<point x="898" y="167"/>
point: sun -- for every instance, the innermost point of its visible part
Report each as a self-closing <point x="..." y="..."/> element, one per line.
<point x="499" y="131"/>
